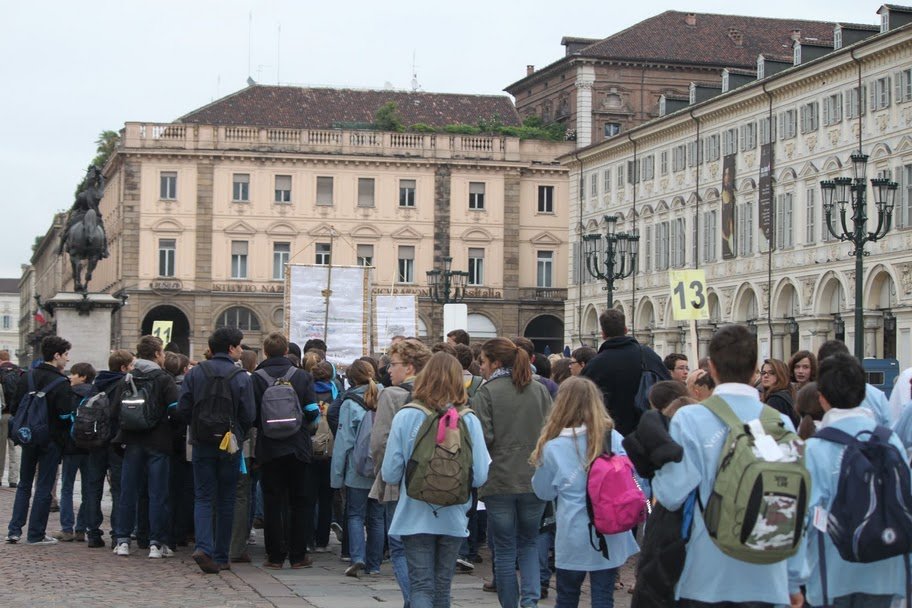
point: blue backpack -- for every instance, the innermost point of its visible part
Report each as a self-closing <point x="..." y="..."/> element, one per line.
<point x="30" y="425"/>
<point x="870" y="518"/>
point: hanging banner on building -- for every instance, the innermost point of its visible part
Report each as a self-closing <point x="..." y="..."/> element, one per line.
<point x="395" y="315"/>
<point x="334" y="307"/>
<point x="729" y="243"/>
<point x="766" y="191"/>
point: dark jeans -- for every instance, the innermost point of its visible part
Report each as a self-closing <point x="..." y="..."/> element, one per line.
<point x="514" y="520"/>
<point x="431" y="562"/>
<point x="240" y="527"/>
<point x="321" y="470"/>
<point x="215" y="476"/>
<point x="545" y="545"/>
<point x="181" y="503"/>
<point x="288" y="508"/>
<point x="142" y="464"/>
<point x="863" y="600"/>
<point x="73" y="463"/>
<point x="97" y="464"/>
<point x="601" y="583"/>
<point x="44" y="461"/>
<point x="469" y="547"/>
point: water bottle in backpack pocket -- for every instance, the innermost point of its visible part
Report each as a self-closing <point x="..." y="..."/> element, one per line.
<point x="30" y="425"/>
<point x="280" y="408"/>
<point x="93" y="423"/>
<point x="139" y="406"/>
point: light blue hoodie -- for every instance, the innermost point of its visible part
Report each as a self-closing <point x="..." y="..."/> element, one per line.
<point x="823" y="460"/>
<point x="343" y="469"/>
<point x="709" y="575"/>
<point x="416" y="516"/>
<point x="562" y="475"/>
<point x="876" y="402"/>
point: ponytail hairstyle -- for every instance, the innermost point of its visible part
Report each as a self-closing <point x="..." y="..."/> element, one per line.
<point x="578" y="403"/>
<point x="506" y="353"/>
<point x="807" y="405"/>
<point x="361" y="372"/>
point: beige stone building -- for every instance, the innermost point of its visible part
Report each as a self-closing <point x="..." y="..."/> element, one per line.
<point x="603" y="87"/>
<point x="782" y="273"/>
<point x="204" y="213"/>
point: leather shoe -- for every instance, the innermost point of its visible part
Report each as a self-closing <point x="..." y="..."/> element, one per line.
<point x="304" y="563"/>
<point x="489" y="587"/>
<point x="243" y="558"/>
<point x="272" y="565"/>
<point x="205" y="562"/>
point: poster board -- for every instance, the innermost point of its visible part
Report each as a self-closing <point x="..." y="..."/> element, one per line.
<point x="345" y="324"/>
<point x="395" y="315"/>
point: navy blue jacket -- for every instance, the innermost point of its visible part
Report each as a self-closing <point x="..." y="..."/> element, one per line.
<point x="194" y="386"/>
<point x="61" y="400"/>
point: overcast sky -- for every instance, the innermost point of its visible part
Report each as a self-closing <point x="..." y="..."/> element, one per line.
<point x="71" y="69"/>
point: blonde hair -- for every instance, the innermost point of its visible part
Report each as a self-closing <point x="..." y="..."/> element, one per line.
<point x="360" y="373"/>
<point x="441" y="382"/>
<point x="579" y="402"/>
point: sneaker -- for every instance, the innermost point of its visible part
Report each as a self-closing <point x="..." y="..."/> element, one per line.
<point x="354" y="569"/>
<point x="337" y="530"/>
<point x="464" y="566"/>
<point x="319" y="549"/>
<point x="345" y="558"/>
<point x="205" y="562"/>
<point x="490" y="587"/>
<point x="166" y="551"/>
<point x="80" y="537"/>
<point x="66" y="537"/>
<point x="155" y="552"/>
<point x="47" y="540"/>
<point x="122" y="549"/>
<point x="251" y="540"/>
<point x="12" y="538"/>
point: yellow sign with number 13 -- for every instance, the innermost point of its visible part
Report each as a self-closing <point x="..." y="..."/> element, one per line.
<point x="688" y="295"/>
<point x="162" y="329"/>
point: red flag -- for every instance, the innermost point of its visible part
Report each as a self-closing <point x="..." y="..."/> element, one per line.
<point x="39" y="316"/>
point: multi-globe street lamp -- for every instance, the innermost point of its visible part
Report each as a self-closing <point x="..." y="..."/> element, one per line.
<point x="842" y="191"/>
<point x="447" y="286"/>
<point x="618" y="258"/>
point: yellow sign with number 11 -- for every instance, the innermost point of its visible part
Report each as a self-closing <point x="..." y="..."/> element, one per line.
<point x="162" y="329"/>
<point x="688" y="295"/>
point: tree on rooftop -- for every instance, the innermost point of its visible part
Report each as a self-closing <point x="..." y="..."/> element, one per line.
<point x="387" y="117"/>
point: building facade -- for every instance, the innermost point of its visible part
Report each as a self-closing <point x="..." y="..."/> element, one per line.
<point x="604" y="87"/>
<point x="204" y="214"/>
<point x="9" y="315"/>
<point x="731" y="185"/>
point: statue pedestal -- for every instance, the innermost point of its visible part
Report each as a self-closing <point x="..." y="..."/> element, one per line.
<point x="85" y="321"/>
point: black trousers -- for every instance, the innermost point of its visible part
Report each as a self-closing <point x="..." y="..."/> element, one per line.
<point x="289" y="494"/>
<point x="324" y="501"/>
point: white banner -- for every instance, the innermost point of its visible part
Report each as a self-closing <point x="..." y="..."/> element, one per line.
<point x="345" y="328"/>
<point x="396" y="315"/>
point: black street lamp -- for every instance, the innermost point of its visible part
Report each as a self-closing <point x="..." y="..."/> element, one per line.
<point x="447" y="286"/>
<point x="620" y="255"/>
<point x="841" y="191"/>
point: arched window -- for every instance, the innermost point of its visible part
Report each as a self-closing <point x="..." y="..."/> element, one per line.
<point x="480" y="327"/>
<point x="240" y="317"/>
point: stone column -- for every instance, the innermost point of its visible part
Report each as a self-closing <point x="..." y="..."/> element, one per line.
<point x="777" y="340"/>
<point x="704" y="335"/>
<point x="872" y="325"/>
<point x="85" y="320"/>
<point x="203" y="320"/>
<point x="585" y="78"/>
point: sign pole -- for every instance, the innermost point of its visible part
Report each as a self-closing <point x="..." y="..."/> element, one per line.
<point x="694" y="354"/>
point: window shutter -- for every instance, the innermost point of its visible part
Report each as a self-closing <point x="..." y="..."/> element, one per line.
<point x="897" y="85"/>
<point x="873" y="96"/>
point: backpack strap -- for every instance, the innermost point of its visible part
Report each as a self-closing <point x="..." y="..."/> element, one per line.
<point x="269" y="380"/>
<point x="723" y="411"/>
<point x="289" y="373"/>
<point x="417" y="405"/>
<point x="834" y="435"/>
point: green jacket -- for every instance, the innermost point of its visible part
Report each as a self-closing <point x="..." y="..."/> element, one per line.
<point x="512" y="422"/>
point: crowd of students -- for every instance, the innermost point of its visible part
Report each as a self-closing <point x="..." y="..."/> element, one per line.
<point x="426" y="453"/>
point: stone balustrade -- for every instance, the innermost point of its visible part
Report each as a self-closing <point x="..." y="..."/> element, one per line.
<point x="336" y="141"/>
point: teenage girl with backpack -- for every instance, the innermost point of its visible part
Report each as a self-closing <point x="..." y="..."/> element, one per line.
<point x="366" y="552"/>
<point x="573" y="437"/>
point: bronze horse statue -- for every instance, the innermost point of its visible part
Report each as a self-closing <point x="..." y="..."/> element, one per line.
<point x="85" y="241"/>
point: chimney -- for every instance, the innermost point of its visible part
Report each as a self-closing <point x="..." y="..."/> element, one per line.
<point x="691" y="19"/>
<point x="796" y="35"/>
<point x="530" y="69"/>
<point x="735" y="35"/>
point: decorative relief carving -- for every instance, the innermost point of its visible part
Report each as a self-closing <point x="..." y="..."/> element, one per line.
<point x="905" y="277"/>
<point x="808" y="290"/>
<point x="882" y="122"/>
<point x="789" y="150"/>
<point x="834" y="136"/>
<point x="811" y="141"/>
<point x="662" y="301"/>
<point x="764" y="297"/>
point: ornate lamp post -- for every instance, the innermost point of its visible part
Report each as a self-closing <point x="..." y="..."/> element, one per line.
<point x="447" y="286"/>
<point x="620" y="255"/>
<point x="840" y="192"/>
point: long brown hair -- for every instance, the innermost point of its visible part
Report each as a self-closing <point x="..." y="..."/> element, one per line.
<point x="803" y="354"/>
<point x="782" y="380"/>
<point x="360" y="373"/>
<point x="440" y="383"/>
<point x="579" y="402"/>
<point x="506" y="353"/>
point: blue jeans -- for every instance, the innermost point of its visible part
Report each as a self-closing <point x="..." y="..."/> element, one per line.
<point x="364" y="511"/>
<point x="397" y="555"/>
<point x="71" y="464"/>
<point x="545" y="543"/>
<point x="215" y="475"/>
<point x="601" y="583"/>
<point x="431" y="565"/>
<point x="141" y="463"/>
<point x="514" y="520"/>
<point x="44" y="461"/>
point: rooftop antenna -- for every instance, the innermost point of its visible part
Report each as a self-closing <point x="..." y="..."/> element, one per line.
<point x="415" y="85"/>
<point x="278" y="52"/>
<point x="249" y="43"/>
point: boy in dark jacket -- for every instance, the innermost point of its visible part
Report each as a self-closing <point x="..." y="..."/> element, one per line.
<point x="55" y="354"/>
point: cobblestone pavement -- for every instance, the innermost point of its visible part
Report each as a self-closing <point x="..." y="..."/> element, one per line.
<point x="70" y="574"/>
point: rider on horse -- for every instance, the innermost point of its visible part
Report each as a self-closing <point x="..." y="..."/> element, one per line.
<point x="88" y="198"/>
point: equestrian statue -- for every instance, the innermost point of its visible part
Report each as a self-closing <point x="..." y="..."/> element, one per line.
<point x="84" y="238"/>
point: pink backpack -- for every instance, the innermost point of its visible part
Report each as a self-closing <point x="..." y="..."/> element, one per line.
<point x="614" y="501"/>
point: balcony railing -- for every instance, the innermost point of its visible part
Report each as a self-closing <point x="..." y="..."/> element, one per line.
<point x="338" y="141"/>
<point x="543" y="294"/>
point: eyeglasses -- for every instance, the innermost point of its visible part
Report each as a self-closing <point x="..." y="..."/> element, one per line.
<point x="767" y="373"/>
<point x="574" y="362"/>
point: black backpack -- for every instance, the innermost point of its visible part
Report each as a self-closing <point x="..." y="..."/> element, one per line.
<point x="139" y="405"/>
<point x="648" y="378"/>
<point x="93" y="424"/>
<point x="30" y="425"/>
<point x="9" y="381"/>
<point x="214" y="413"/>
